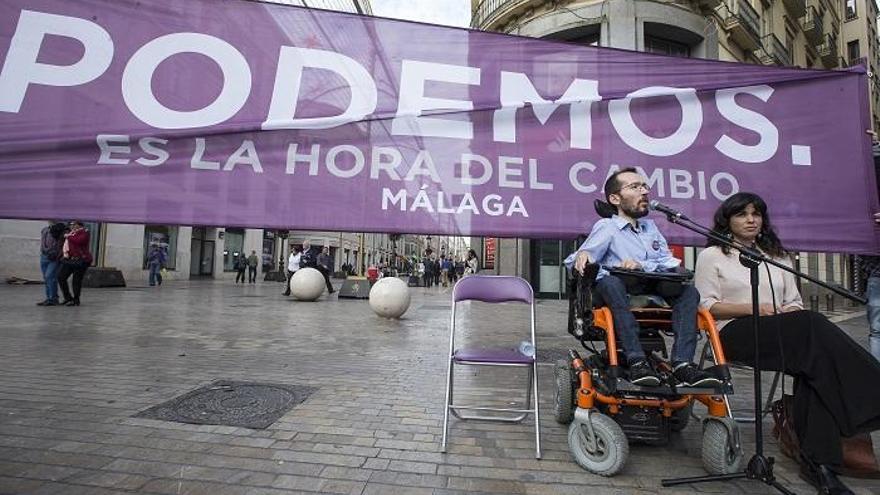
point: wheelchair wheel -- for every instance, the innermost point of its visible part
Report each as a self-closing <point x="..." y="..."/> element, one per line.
<point x="721" y="454"/>
<point x="605" y="456"/>
<point x="680" y="418"/>
<point x="564" y="404"/>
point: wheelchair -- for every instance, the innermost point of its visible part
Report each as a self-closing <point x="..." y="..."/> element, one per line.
<point x="605" y="411"/>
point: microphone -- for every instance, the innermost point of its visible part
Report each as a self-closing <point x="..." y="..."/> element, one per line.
<point x="671" y="212"/>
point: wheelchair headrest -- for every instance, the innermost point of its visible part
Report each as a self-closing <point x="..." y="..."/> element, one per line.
<point x="603" y="209"/>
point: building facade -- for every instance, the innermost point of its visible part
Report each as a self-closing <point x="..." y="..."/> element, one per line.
<point x="824" y="34"/>
<point x="199" y="251"/>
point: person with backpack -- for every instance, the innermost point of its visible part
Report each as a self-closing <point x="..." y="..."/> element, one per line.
<point x="51" y="243"/>
<point x="155" y="262"/>
<point x="240" y="265"/>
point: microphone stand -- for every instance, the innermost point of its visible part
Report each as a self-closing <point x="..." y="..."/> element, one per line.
<point x="759" y="466"/>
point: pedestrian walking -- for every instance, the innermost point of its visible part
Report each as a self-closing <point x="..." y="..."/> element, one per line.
<point x="155" y="263"/>
<point x="472" y="264"/>
<point x="252" y="262"/>
<point x="51" y="244"/>
<point x="75" y="260"/>
<point x="292" y="266"/>
<point x="325" y="266"/>
<point x="240" y="265"/>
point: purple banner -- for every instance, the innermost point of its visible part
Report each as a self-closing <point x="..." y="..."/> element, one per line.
<point x="235" y="113"/>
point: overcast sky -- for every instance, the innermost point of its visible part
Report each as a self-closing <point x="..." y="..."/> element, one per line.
<point x="446" y="12"/>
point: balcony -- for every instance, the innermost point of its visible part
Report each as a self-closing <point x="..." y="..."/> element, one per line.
<point x="813" y="25"/>
<point x="774" y="52"/>
<point x="489" y="12"/>
<point x="741" y="24"/>
<point x="828" y="51"/>
<point x="796" y="8"/>
<point x="708" y="4"/>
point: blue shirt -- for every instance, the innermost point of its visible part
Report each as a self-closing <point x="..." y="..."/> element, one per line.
<point x="613" y="240"/>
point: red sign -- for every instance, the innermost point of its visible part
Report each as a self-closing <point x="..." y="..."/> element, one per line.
<point x="489" y="253"/>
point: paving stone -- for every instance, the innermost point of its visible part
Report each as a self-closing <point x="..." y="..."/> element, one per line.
<point x="71" y="380"/>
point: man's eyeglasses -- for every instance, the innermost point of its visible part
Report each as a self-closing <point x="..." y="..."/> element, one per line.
<point x="635" y="186"/>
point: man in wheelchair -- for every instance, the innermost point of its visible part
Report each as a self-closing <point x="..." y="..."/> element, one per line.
<point x="626" y="241"/>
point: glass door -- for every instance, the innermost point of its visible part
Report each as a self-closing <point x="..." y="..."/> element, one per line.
<point x="550" y="276"/>
<point x="207" y="264"/>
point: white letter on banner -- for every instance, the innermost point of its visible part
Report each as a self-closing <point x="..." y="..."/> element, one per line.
<point x="467" y="160"/>
<point x="517" y="90"/>
<point x="506" y="174"/>
<point x="311" y="158"/>
<point x="400" y="197"/>
<point x="354" y="151"/>
<point x="288" y="79"/>
<point x="198" y="154"/>
<point x="377" y="165"/>
<point x="680" y="140"/>
<point x="725" y="100"/>
<point x="423" y="164"/>
<point x="149" y="146"/>
<point x="21" y="67"/>
<point x="245" y="154"/>
<point x="573" y="177"/>
<point x="104" y="144"/>
<point x="413" y="102"/>
<point x="137" y="88"/>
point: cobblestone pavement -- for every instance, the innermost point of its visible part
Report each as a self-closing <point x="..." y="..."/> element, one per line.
<point x="71" y="378"/>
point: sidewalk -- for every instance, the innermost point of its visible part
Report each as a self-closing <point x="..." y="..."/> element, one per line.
<point x="71" y="378"/>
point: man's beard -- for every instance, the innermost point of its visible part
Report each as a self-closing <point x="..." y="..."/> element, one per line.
<point x="635" y="211"/>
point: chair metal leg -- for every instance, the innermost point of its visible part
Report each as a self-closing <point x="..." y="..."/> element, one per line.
<point x="537" y="413"/>
<point x="707" y="354"/>
<point x="447" y="405"/>
<point x="522" y="412"/>
<point x="768" y="404"/>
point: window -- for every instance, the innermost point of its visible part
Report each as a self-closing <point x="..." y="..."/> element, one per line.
<point x="852" y="52"/>
<point x="166" y="238"/>
<point x="850" y="8"/>
<point x="233" y="243"/>
<point x="666" y="47"/>
<point x="94" y="229"/>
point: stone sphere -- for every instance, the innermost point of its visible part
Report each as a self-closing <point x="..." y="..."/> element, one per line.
<point x="389" y="297"/>
<point x="307" y="284"/>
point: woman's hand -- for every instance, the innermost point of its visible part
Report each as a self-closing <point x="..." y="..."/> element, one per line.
<point x="766" y="309"/>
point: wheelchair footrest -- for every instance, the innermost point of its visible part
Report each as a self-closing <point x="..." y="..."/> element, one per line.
<point x="625" y="387"/>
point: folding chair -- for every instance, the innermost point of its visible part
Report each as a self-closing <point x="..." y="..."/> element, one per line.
<point x="493" y="289"/>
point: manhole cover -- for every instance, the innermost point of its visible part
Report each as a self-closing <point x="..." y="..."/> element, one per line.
<point x="229" y="403"/>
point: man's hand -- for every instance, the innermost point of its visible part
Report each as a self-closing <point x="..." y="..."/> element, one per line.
<point x="630" y="265"/>
<point x="581" y="260"/>
<point x="877" y="218"/>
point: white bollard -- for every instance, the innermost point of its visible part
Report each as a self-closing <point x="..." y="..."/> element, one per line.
<point x="307" y="284"/>
<point x="389" y="297"/>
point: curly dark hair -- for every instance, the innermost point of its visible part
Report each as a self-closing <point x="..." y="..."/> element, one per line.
<point x="767" y="239"/>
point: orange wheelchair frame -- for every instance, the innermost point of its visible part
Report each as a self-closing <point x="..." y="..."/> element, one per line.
<point x="600" y="406"/>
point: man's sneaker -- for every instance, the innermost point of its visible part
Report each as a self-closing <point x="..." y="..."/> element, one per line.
<point x="688" y="375"/>
<point x="641" y="373"/>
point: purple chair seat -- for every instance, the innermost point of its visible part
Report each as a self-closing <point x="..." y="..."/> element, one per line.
<point x="492" y="355"/>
